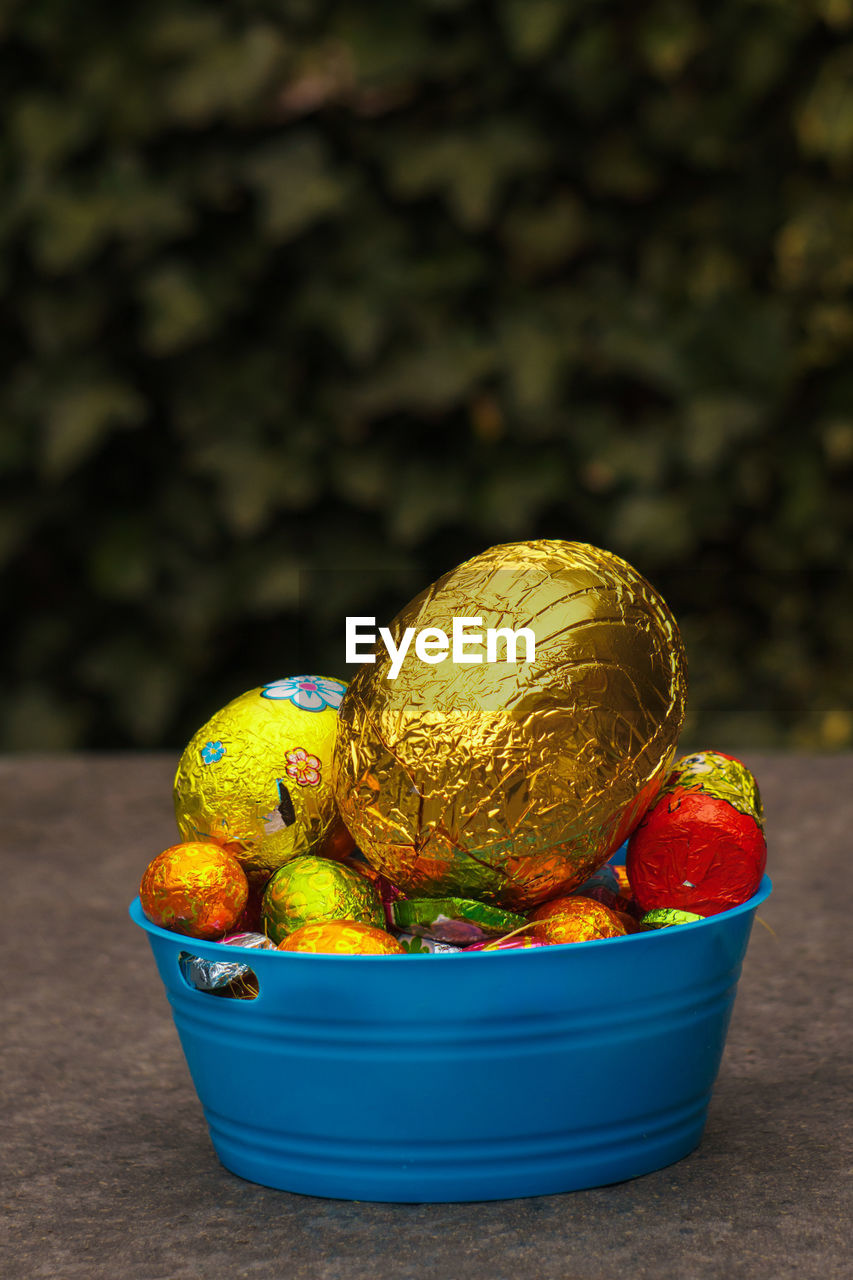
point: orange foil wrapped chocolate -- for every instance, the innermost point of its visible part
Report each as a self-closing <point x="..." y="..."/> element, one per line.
<point x="504" y="781"/>
<point x="343" y="937"/>
<point x="575" y="919"/>
<point x="196" y="888"/>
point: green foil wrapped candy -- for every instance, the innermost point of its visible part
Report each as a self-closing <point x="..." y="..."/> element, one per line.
<point x="453" y="919"/>
<point x="666" y="917"/>
<point x="310" y="890"/>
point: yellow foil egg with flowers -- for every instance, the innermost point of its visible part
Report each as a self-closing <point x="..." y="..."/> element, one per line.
<point x="256" y="777"/>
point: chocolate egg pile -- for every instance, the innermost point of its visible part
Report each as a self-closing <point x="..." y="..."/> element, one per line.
<point x="463" y="806"/>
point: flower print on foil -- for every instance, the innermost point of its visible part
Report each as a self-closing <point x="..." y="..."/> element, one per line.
<point x="304" y="769"/>
<point x="309" y="693"/>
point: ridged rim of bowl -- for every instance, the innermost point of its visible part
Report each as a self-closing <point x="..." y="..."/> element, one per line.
<point x="651" y="937"/>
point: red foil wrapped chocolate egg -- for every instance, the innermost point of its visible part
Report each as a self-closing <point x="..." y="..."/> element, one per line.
<point x="701" y="846"/>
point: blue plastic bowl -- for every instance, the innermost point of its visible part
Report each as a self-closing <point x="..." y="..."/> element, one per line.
<point x="462" y="1077"/>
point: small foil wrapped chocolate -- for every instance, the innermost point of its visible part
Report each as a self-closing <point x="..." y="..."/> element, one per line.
<point x="574" y="919"/>
<point x="196" y="888"/>
<point x="457" y="920"/>
<point x="215" y="975"/>
<point x="342" y="937"/>
<point x="415" y="945"/>
<point x="312" y="890"/>
<point x="666" y="917"/>
<point x="251" y="941"/>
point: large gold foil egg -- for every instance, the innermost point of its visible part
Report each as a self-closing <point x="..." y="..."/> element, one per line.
<point x="512" y="782"/>
<point x="257" y="776"/>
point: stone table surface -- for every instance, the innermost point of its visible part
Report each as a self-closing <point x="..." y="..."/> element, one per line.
<point x="108" y="1169"/>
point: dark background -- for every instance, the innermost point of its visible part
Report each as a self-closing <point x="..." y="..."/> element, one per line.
<point x="306" y="302"/>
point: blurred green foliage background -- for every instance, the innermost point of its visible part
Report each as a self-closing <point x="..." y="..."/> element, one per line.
<point x="305" y="302"/>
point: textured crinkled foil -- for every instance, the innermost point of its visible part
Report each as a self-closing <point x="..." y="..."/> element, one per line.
<point x="415" y="945"/>
<point x="513" y="782"/>
<point x="257" y="775"/>
<point x="343" y="937"/>
<point x="312" y="890"/>
<point x="575" y="920"/>
<point x="214" y="975"/>
<point x="700" y="846"/>
<point x="453" y="919"/>
<point x="194" y="888"/>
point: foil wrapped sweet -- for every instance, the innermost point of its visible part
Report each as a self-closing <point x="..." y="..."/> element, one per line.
<point x="195" y="888"/>
<point x="701" y="846"/>
<point x="257" y="776"/>
<point x="415" y="945"/>
<point x="342" y="937"/>
<point x="666" y="917"/>
<point x="249" y="941"/>
<point x="518" y="943"/>
<point x="456" y="920"/>
<point x="574" y="919"/>
<point x="503" y="781"/>
<point x="215" y="975"/>
<point x="312" y="890"/>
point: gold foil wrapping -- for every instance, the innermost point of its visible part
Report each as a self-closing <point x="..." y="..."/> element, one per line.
<point x="666" y="917"/>
<point x="512" y="782"/>
<point x="257" y="776"/>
